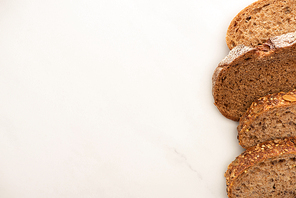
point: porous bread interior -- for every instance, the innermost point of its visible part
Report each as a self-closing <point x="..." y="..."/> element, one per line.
<point x="258" y="23"/>
<point x="279" y="122"/>
<point x="275" y="177"/>
<point x="240" y="84"/>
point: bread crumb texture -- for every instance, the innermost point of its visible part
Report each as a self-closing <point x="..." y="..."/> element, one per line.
<point x="247" y="74"/>
<point x="261" y="20"/>
<point x="265" y="170"/>
<point x="270" y="117"/>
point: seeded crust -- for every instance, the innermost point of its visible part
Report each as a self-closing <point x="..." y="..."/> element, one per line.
<point x="266" y="108"/>
<point x="252" y="157"/>
<point x="261" y="20"/>
<point x="232" y="98"/>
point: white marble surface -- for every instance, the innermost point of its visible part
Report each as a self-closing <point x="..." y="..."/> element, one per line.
<point x="112" y="99"/>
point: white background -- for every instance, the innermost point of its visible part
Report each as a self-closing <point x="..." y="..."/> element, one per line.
<point x="112" y="98"/>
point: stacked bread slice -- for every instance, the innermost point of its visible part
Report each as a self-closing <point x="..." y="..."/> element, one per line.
<point x="256" y="85"/>
<point x="265" y="170"/>
<point x="263" y="19"/>
<point x="270" y="117"/>
<point x="248" y="73"/>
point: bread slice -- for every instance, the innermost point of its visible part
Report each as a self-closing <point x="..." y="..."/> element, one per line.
<point x="247" y="74"/>
<point x="265" y="170"/>
<point x="270" y="117"/>
<point x="261" y="20"/>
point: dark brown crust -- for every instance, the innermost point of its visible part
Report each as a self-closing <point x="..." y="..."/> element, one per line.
<point x="237" y="54"/>
<point x="260" y="106"/>
<point x="255" y="155"/>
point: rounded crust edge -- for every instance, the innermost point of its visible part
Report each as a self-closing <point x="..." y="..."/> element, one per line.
<point x="247" y="9"/>
<point x="261" y="106"/>
<point x="235" y="53"/>
<point x="277" y="42"/>
<point x="238" y="16"/>
<point x="255" y="155"/>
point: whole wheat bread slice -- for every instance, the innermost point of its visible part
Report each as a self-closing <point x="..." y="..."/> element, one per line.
<point x="265" y="170"/>
<point x="247" y="74"/>
<point x="270" y="117"/>
<point x="261" y="20"/>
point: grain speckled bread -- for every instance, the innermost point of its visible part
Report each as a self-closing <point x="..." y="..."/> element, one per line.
<point x="261" y="20"/>
<point x="265" y="170"/>
<point x="249" y="73"/>
<point x="270" y="117"/>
